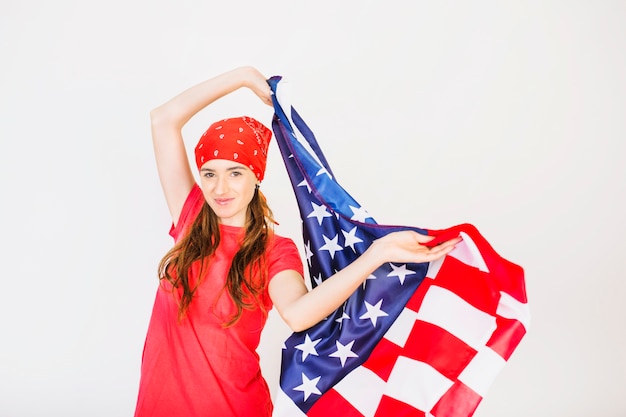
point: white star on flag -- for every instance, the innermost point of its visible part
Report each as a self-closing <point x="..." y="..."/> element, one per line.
<point x="360" y="214"/>
<point x="323" y="171"/>
<point x="372" y="276"/>
<point x="344" y="352"/>
<point x="350" y="238"/>
<point x="343" y="317"/>
<point x="319" y="212"/>
<point x="373" y="312"/>
<point x="309" y="386"/>
<point x="400" y="271"/>
<point x="331" y="246"/>
<point x="304" y="183"/>
<point x="308" y="253"/>
<point x="317" y="279"/>
<point x="308" y="347"/>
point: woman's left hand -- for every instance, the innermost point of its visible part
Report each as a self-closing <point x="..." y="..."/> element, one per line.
<point x="257" y="82"/>
<point x="409" y="246"/>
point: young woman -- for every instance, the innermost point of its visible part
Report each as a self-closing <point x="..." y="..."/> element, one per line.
<point x="227" y="267"/>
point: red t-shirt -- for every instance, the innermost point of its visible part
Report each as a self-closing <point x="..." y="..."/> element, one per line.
<point x="196" y="367"/>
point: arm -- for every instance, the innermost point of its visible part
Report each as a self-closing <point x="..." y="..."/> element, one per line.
<point x="301" y="308"/>
<point x="168" y="120"/>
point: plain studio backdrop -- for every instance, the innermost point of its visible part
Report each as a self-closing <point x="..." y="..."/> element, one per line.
<point x="507" y="115"/>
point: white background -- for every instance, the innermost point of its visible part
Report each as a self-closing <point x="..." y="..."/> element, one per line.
<point x="507" y="115"/>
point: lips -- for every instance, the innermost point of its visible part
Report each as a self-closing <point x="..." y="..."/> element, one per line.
<point x="222" y="201"/>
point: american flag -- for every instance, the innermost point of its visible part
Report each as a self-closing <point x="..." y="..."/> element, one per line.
<point x="416" y="339"/>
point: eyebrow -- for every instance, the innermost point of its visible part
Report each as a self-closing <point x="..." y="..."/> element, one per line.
<point x="227" y="169"/>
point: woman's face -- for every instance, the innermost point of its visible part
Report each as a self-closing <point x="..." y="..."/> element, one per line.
<point x="228" y="188"/>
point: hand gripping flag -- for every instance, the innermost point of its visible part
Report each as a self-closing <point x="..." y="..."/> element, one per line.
<point x="416" y="339"/>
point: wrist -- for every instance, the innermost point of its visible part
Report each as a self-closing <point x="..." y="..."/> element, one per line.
<point x="376" y="254"/>
<point x="247" y="75"/>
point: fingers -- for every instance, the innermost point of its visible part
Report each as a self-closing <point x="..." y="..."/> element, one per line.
<point x="446" y="247"/>
<point x="257" y="82"/>
<point x="264" y="92"/>
<point x="423" y="238"/>
<point x="439" y="251"/>
<point x="411" y="246"/>
<point x="448" y="243"/>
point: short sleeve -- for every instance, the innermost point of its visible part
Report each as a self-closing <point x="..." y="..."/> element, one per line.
<point x="283" y="256"/>
<point x="191" y="209"/>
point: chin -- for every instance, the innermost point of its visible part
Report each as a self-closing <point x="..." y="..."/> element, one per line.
<point x="229" y="219"/>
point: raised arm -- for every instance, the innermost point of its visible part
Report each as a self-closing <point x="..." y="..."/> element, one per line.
<point x="301" y="308"/>
<point x="168" y="120"/>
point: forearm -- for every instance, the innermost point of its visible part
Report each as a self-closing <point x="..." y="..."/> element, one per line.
<point x="177" y="111"/>
<point x="317" y="304"/>
<point x="302" y="309"/>
<point x="168" y="120"/>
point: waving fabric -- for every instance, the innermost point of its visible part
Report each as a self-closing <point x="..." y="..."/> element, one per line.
<point x="416" y="339"/>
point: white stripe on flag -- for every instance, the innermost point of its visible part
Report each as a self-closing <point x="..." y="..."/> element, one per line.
<point x="401" y="328"/>
<point x="416" y="383"/>
<point x="480" y="373"/>
<point x="510" y="308"/>
<point x="363" y="389"/>
<point x="433" y="268"/>
<point x="447" y="310"/>
<point x="285" y="407"/>
<point x="467" y="252"/>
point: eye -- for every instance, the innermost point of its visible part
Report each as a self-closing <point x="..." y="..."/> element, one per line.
<point x="235" y="173"/>
<point x="209" y="174"/>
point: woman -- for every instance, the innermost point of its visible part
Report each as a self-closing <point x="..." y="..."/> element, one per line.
<point x="227" y="268"/>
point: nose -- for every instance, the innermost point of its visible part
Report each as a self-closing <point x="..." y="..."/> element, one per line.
<point x="221" y="185"/>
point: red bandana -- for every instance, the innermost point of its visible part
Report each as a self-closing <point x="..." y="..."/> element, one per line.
<point x="240" y="139"/>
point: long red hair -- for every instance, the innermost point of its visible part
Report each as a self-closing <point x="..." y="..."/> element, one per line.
<point x="247" y="277"/>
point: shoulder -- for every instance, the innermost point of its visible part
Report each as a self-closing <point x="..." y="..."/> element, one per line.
<point x="280" y="243"/>
<point x="191" y="209"/>
<point x="276" y="239"/>
<point x="283" y="253"/>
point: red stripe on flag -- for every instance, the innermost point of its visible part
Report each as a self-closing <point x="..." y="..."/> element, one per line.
<point x="472" y="285"/>
<point x="438" y="348"/>
<point x="415" y="301"/>
<point x="392" y="407"/>
<point x="505" y="275"/>
<point x="383" y="358"/>
<point x="458" y="401"/>
<point x="333" y="404"/>
<point x="506" y="337"/>
<point x="510" y="279"/>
